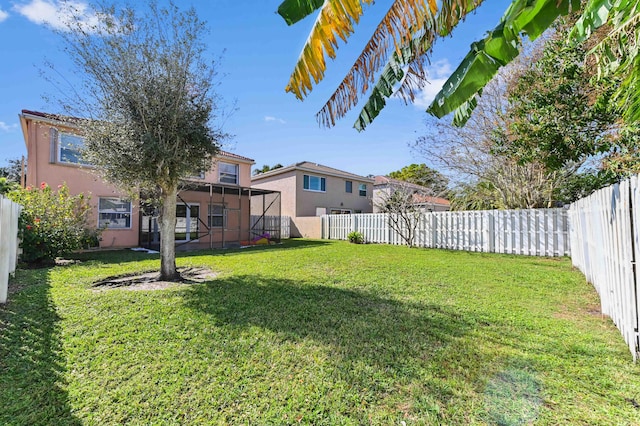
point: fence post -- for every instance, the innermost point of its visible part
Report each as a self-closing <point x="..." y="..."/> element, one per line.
<point x="5" y="234"/>
<point x="489" y="237"/>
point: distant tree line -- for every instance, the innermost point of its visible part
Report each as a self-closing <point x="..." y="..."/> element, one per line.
<point x="267" y="168"/>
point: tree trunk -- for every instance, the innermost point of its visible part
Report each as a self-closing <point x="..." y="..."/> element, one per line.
<point x="168" y="271"/>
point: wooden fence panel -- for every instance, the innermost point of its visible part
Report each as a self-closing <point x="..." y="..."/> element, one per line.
<point x="9" y="213"/>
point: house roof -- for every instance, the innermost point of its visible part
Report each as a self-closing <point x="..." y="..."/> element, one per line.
<point x="66" y="119"/>
<point x="381" y="181"/>
<point x="42" y="114"/>
<point x="234" y="156"/>
<point x="427" y="199"/>
<point x="386" y="180"/>
<point x="312" y="167"/>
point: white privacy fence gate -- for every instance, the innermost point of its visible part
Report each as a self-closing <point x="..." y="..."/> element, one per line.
<point x="9" y="213"/>
<point x="535" y="232"/>
<point x="269" y="224"/>
<point x="605" y="246"/>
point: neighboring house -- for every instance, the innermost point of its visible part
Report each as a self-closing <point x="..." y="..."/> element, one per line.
<point x="423" y="197"/>
<point x="213" y="211"/>
<point x="311" y="190"/>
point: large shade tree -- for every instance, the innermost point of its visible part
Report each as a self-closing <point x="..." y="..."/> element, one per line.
<point x="393" y="61"/>
<point x="147" y="95"/>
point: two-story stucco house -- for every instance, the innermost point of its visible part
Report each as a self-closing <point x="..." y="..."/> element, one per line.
<point x="310" y="190"/>
<point x="214" y="210"/>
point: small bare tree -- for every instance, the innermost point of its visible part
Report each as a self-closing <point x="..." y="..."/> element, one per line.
<point x="470" y="154"/>
<point x="404" y="204"/>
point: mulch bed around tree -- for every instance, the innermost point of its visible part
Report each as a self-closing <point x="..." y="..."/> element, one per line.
<point x="151" y="281"/>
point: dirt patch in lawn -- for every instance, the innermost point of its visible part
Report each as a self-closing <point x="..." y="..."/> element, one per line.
<point x="565" y="313"/>
<point x="151" y="280"/>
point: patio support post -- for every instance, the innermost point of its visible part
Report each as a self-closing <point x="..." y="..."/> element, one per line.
<point x="224" y="221"/>
<point x="209" y="209"/>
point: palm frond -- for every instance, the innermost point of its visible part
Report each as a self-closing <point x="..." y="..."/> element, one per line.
<point x="293" y="11"/>
<point x="335" y="21"/>
<point x="414" y="58"/>
<point x="405" y="22"/>
<point x="500" y="46"/>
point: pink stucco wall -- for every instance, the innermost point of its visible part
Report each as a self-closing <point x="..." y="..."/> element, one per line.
<point x="82" y="179"/>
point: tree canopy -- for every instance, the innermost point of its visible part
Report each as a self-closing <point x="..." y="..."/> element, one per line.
<point x="421" y="174"/>
<point x="148" y="97"/>
<point x="267" y="168"/>
<point x="537" y="127"/>
<point x="394" y="60"/>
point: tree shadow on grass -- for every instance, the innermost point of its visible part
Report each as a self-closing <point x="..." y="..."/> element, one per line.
<point x="392" y="338"/>
<point x="31" y="359"/>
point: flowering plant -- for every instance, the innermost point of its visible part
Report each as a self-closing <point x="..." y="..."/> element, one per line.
<point x="52" y="223"/>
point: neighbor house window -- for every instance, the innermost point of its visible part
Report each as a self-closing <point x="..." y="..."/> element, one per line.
<point x="314" y="183"/>
<point x="362" y="189"/>
<point x="348" y="187"/>
<point x="228" y="173"/>
<point x="69" y="148"/>
<point x="114" y="213"/>
<point x="216" y="216"/>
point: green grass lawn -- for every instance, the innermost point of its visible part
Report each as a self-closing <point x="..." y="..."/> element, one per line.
<point x="311" y="332"/>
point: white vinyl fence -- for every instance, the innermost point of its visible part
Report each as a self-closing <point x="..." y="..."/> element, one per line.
<point x="270" y="224"/>
<point x="605" y="246"/>
<point x="535" y="232"/>
<point x="9" y="213"/>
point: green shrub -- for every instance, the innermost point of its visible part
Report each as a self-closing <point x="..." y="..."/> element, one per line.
<point x="356" y="237"/>
<point x="7" y="186"/>
<point x="52" y="223"/>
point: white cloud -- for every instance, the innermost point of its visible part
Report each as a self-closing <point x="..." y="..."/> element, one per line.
<point x="7" y="127"/>
<point x="441" y="68"/>
<point x="438" y="73"/>
<point x="57" y="14"/>
<point x="269" y="118"/>
<point x="3" y="15"/>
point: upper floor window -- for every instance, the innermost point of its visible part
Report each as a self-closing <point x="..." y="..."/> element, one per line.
<point x="69" y="148"/>
<point x="228" y="173"/>
<point x="114" y="213"/>
<point x="362" y="189"/>
<point x="314" y="183"/>
<point x="348" y="187"/>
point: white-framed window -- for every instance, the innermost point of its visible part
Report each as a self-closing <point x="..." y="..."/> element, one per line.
<point x="216" y="216"/>
<point x="314" y="183"/>
<point x="69" y="148"/>
<point x="348" y="186"/>
<point x="114" y="213"/>
<point x="362" y="189"/>
<point x="228" y="173"/>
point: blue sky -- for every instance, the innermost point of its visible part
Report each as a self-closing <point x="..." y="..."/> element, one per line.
<point x="258" y="53"/>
